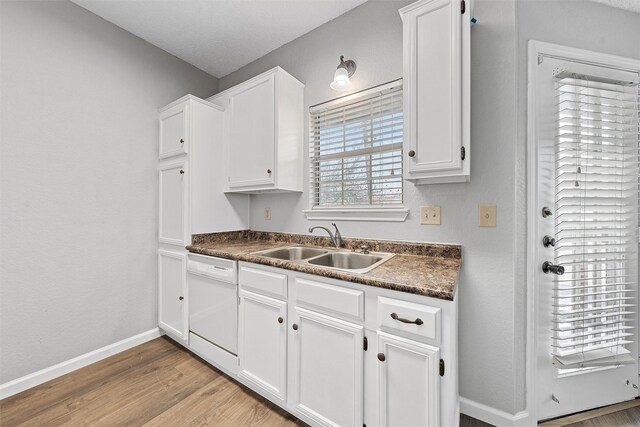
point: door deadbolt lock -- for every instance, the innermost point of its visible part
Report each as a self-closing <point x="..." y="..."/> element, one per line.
<point x="548" y="267"/>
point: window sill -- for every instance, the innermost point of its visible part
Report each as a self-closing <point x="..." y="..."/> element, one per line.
<point x="358" y="214"/>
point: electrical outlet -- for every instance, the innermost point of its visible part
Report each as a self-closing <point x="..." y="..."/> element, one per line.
<point x="267" y="214"/>
<point x="487" y="215"/>
<point x="430" y="215"/>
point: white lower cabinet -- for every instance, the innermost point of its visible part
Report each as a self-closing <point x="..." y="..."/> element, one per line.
<point x="262" y="343"/>
<point x="408" y="382"/>
<point x="328" y="369"/>
<point x="302" y="345"/>
<point x="172" y="315"/>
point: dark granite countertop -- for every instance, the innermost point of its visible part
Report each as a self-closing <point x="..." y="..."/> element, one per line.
<point x="418" y="268"/>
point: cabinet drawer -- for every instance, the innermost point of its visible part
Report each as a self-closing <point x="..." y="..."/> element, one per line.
<point x="416" y="320"/>
<point x="330" y="299"/>
<point x="263" y="282"/>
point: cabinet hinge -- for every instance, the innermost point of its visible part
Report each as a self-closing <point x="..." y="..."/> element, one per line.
<point x="463" y="7"/>
<point x="463" y="152"/>
<point x="238" y="300"/>
<point x="441" y="368"/>
<point x="365" y="343"/>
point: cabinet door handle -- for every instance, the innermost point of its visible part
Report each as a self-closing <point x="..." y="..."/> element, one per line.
<point x="269" y="171"/>
<point x="181" y="141"/>
<point x="418" y="320"/>
<point x="280" y="320"/>
<point x="180" y="298"/>
<point x="181" y="172"/>
<point x="295" y="327"/>
<point x="412" y="153"/>
<point x="381" y="357"/>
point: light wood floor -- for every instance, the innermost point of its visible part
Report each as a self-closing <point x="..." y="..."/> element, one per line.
<point x="156" y="384"/>
<point x="162" y="384"/>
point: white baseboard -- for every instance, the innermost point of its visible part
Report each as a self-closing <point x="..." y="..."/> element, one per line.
<point x="31" y="380"/>
<point x="494" y="416"/>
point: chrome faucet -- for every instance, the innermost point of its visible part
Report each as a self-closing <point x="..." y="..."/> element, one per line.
<point x="336" y="238"/>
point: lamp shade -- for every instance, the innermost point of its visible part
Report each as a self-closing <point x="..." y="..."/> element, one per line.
<point x="340" y="79"/>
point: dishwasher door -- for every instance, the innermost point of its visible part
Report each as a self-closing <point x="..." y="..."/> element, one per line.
<point x="213" y="308"/>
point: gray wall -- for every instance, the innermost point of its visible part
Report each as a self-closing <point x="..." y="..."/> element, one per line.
<point x="371" y="34"/>
<point x="78" y="197"/>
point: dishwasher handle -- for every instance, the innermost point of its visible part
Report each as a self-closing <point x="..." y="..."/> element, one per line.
<point x="212" y="271"/>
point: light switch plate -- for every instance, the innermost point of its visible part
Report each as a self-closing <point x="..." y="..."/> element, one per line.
<point x="267" y="214"/>
<point x="430" y="215"/>
<point x="487" y="215"/>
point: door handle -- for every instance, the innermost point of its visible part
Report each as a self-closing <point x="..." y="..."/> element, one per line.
<point x="548" y="267"/>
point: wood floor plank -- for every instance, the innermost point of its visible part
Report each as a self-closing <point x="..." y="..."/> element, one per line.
<point x="89" y="406"/>
<point x="23" y="406"/>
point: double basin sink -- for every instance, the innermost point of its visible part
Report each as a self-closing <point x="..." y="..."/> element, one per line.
<point x="335" y="259"/>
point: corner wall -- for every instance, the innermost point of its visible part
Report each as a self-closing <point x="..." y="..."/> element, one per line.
<point x="78" y="181"/>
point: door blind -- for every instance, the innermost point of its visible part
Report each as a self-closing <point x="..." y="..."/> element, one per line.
<point x="356" y="149"/>
<point x="596" y="221"/>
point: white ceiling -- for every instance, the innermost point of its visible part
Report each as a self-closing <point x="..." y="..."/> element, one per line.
<point x="218" y="36"/>
<point x="631" y="5"/>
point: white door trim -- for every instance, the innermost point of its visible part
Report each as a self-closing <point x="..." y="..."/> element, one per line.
<point x="537" y="48"/>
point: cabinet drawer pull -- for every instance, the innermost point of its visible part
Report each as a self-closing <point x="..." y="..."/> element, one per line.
<point x="381" y="357"/>
<point x="280" y="320"/>
<point x="418" y="320"/>
<point x="295" y="327"/>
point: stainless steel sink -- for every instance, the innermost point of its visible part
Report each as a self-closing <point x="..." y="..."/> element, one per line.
<point x="350" y="261"/>
<point x="337" y="259"/>
<point x="292" y="253"/>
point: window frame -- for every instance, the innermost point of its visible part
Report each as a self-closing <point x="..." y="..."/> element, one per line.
<point x="366" y="212"/>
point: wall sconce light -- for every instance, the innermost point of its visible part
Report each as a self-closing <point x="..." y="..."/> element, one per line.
<point x="343" y="72"/>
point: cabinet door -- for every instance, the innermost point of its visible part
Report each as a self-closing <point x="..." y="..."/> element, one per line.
<point x="173" y="131"/>
<point x="172" y="217"/>
<point x="262" y="346"/>
<point x="252" y="134"/>
<point x="172" y="303"/>
<point x="409" y="382"/>
<point x="433" y="89"/>
<point x="328" y="368"/>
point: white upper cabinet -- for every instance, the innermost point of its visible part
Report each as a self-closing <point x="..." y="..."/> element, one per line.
<point x="436" y="43"/>
<point x="264" y="137"/>
<point x="252" y="132"/>
<point x="173" y="181"/>
<point x="192" y="201"/>
<point x="173" y="131"/>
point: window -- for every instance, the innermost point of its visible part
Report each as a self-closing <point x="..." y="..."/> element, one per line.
<point x="596" y="184"/>
<point x="356" y="150"/>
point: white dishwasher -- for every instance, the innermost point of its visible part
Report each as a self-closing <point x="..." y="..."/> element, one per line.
<point x="213" y="300"/>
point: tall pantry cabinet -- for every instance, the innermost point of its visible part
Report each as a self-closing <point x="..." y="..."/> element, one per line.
<point x="191" y="199"/>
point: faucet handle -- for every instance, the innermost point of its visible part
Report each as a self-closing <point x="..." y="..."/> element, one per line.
<point x="364" y="249"/>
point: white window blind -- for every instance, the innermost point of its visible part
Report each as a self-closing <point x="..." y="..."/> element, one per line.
<point x="596" y="221"/>
<point x="356" y="149"/>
